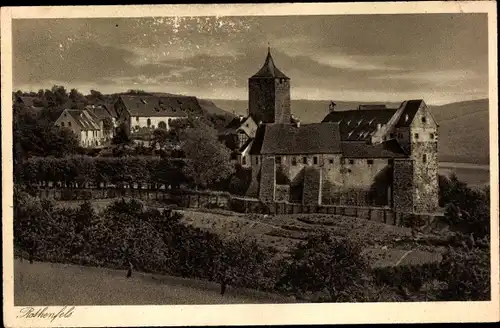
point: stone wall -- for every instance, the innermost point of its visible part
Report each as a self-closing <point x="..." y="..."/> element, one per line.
<point x="282" y="101"/>
<point x="312" y="186"/>
<point x="425" y="176"/>
<point x="261" y="99"/>
<point x="403" y="186"/>
<point x="267" y="188"/>
<point x="282" y="193"/>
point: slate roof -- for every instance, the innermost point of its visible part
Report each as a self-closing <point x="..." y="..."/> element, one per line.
<point x="316" y="138"/>
<point x="387" y="149"/>
<point x="84" y="119"/>
<point x="269" y="70"/>
<point x="410" y="109"/>
<point x="234" y="125"/>
<point x="175" y="106"/>
<point x="359" y="125"/>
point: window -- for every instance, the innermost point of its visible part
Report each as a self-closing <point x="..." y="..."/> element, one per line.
<point x="424" y="158"/>
<point x="294" y="161"/>
<point x="62" y="124"/>
<point x="432" y="136"/>
<point x="304" y="160"/>
<point x="315" y="160"/>
<point x="370" y="162"/>
<point x="87" y="134"/>
<point x="424" y="119"/>
<point x="351" y="161"/>
<point x="148" y="122"/>
<point x="330" y="160"/>
<point x="244" y="160"/>
<point x="278" y="159"/>
<point x="256" y="159"/>
<point x="69" y="124"/>
<point x="416" y="135"/>
<point x="137" y="119"/>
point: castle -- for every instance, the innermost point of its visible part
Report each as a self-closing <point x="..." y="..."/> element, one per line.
<point x="369" y="156"/>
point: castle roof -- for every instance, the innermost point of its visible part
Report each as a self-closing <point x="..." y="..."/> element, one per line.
<point x="269" y="70"/>
<point x="316" y="138"/>
<point x="171" y="106"/>
<point x="361" y="149"/>
<point x="360" y="124"/>
<point x="410" y="109"/>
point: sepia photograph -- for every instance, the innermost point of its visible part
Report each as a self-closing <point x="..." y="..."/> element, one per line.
<point x="233" y="155"/>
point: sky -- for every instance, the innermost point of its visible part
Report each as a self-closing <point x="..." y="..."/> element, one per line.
<point x="441" y="58"/>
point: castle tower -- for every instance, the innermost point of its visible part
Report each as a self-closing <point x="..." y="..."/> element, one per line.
<point x="269" y="94"/>
<point x="416" y="132"/>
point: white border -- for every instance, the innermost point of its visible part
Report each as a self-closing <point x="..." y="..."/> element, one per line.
<point x="177" y="315"/>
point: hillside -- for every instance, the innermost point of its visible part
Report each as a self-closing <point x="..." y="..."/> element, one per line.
<point x="463" y="132"/>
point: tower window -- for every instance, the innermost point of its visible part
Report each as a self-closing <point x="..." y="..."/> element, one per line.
<point x="370" y="162"/>
<point x="424" y="158"/>
<point x="294" y="161"/>
<point x="416" y="135"/>
<point x="304" y="160"/>
<point x="330" y="160"/>
<point x="315" y="160"/>
<point x="351" y="161"/>
<point x="432" y="135"/>
<point x="424" y="119"/>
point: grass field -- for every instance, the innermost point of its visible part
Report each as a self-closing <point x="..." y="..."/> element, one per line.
<point x="59" y="284"/>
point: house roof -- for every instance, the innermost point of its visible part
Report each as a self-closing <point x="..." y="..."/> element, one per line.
<point x="27" y="100"/>
<point x="362" y="149"/>
<point x="175" y="106"/>
<point x="359" y="125"/>
<point x="316" y="138"/>
<point x="99" y="111"/>
<point x="84" y="119"/>
<point x="233" y="126"/>
<point x="410" y="109"/>
<point x="269" y="70"/>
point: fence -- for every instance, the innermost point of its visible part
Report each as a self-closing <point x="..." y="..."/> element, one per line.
<point x="222" y="200"/>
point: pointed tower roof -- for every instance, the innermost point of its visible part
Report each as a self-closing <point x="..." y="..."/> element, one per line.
<point x="269" y="70"/>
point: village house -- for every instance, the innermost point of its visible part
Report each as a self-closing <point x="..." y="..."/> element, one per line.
<point x="105" y="116"/>
<point x="371" y="155"/>
<point x="147" y="112"/>
<point x="238" y="136"/>
<point x="83" y="124"/>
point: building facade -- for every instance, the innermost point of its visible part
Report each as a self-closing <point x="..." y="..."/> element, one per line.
<point x="369" y="156"/>
<point x="84" y="125"/>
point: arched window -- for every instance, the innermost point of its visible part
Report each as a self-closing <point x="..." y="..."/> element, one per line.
<point x="162" y="125"/>
<point x="149" y="122"/>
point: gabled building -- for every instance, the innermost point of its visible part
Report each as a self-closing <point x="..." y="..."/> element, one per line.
<point x="105" y="118"/>
<point x="83" y="124"/>
<point x="369" y="156"/>
<point x="238" y="136"/>
<point x="149" y="112"/>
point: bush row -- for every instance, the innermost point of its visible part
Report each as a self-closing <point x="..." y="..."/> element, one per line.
<point x="102" y="170"/>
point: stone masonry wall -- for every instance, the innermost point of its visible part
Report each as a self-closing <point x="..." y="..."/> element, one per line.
<point x="282" y="101"/>
<point x="425" y="175"/>
<point x="312" y="186"/>
<point x="403" y="186"/>
<point x="261" y="99"/>
<point x="268" y="180"/>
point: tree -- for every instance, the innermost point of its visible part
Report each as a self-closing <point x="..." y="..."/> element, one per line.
<point x="207" y="159"/>
<point x="122" y="136"/>
<point x="324" y="263"/>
